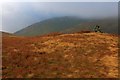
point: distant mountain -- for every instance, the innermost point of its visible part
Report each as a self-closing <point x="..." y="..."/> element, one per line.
<point x="68" y="25"/>
<point x="107" y="26"/>
<point x="51" y="25"/>
<point x="5" y="33"/>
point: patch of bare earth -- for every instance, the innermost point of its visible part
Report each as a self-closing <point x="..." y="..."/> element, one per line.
<point x="78" y="55"/>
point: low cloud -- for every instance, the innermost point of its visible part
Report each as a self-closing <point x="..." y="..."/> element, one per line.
<point x="16" y="16"/>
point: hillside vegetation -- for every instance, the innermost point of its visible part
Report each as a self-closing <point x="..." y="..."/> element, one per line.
<point x="50" y="25"/>
<point x="75" y="55"/>
<point x="67" y="25"/>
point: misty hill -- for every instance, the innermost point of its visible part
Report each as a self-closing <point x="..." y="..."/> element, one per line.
<point x="107" y="26"/>
<point x="68" y="25"/>
<point x="50" y="25"/>
<point x="5" y="33"/>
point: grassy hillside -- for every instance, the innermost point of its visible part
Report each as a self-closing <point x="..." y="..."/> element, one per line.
<point x="107" y="26"/>
<point x="50" y="25"/>
<point x="5" y="33"/>
<point x="68" y="25"/>
<point x="78" y="55"/>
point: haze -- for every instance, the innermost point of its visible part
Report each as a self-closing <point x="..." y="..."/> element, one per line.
<point x="18" y="15"/>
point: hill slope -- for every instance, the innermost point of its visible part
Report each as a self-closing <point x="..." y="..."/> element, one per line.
<point x="107" y="25"/>
<point x="78" y="55"/>
<point x="68" y="25"/>
<point x="50" y="25"/>
<point x="6" y="34"/>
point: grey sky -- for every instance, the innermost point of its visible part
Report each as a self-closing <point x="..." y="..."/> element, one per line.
<point x="16" y="16"/>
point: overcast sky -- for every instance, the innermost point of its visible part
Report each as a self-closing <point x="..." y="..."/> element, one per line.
<point x="17" y="15"/>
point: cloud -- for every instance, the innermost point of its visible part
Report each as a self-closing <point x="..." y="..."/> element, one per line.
<point x="78" y="9"/>
<point x="59" y="0"/>
<point x="17" y="15"/>
<point x="0" y="16"/>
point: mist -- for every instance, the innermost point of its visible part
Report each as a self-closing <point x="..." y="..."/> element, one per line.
<point x="18" y="15"/>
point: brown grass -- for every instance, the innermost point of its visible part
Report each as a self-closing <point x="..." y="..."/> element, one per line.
<point x="86" y="55"/>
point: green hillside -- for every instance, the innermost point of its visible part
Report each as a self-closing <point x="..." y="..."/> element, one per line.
<point x="51" y="25"/>
<point x="68" y="25"/>
<point x="107" y="26"/>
